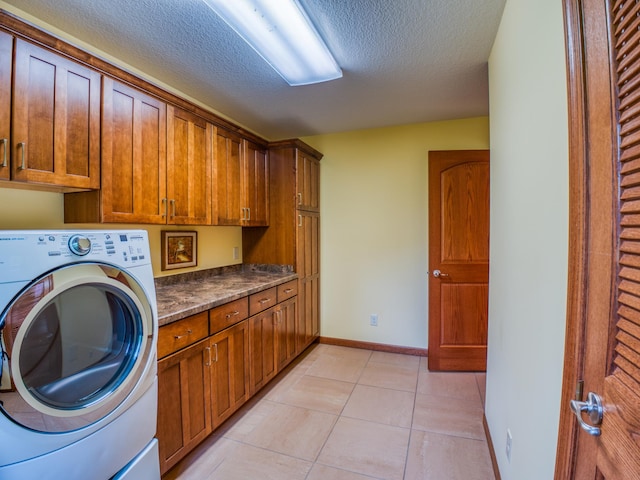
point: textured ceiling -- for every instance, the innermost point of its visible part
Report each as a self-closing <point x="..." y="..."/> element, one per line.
<point x="404" y="61"/>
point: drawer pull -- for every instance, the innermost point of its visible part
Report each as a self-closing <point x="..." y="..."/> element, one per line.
<point x="264" y="300"/>
<point x="178" y="337"/>
<point x="288" y="290"/>
<point x="216" y="346"/>
<point x="232" y="314"/>
<point x="208" y="362"/>
<point x="23" y="147"/>
<point x="4" y="152"/>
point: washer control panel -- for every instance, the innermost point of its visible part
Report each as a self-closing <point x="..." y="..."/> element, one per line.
<point x="32" y="250"/>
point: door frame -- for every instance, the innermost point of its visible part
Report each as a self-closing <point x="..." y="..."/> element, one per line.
<point x="589" y="201"/>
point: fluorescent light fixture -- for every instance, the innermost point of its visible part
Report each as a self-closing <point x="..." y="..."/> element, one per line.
<point x="282" y="33"/>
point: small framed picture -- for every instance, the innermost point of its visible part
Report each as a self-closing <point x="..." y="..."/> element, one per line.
<point x="179" y="249"/>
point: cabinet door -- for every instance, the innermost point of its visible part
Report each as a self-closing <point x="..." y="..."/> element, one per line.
<point x="308" y="182"/>
<point x="229" y="371"/>
<point x="255" y="186"/>
<point x="227" y="174"/>
<point x="184" y="402"/>
<point x="262" y="338"/>
<point x="308" y="267"/>
<point x="56" y="120"/>
<point x="6" y="66"/>
<point x="286" y="315"/>
<point x="189" y="164"/>
<point x="134" y="132"/>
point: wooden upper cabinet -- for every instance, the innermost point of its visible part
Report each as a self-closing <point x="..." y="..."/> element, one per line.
<point x="189" y="164"/>
<point x="227" y="173"/>
<point x="308" y="182"/>
<point x="241" y="178"/>
<point x="56" y="120"/>
<point x="6" y="67"/>
<point x="255" y="186"/>
<point x="134" y="127"/>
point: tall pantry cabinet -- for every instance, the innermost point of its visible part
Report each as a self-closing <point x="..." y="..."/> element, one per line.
<point x="293" y="237"/>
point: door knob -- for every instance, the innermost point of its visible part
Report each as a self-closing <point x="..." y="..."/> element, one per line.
<point x="593" y="408"/>
<point x="438" y="274"/>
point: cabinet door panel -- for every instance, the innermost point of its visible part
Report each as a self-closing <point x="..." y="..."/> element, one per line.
<point x="262" y="338"/>
<point x="6" y="67"/>
<point x="256" y="187"/>
<point x="189" y="163"/>
<point x="56" y="120"/>
<point x="308" y="182"/>
<point x="230" y="371"/>
<point x="308" y="265"/>
<point x="286" y="328"/>
<point x="133" y="156"/>
<point x="227" y="172"/>
<point x="184" y="402"/>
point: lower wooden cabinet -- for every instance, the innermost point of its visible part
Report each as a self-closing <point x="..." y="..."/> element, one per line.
<point x="184" y="402"/>
<point x="262" y="337"/>
<point x="229" y="371"/>
<point x="202" y="382"/>
<point x="286" y="314"/>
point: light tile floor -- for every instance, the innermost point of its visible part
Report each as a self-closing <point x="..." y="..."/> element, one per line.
<point x="350" y="414"/>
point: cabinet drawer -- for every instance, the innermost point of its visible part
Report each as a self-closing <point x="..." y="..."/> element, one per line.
<point x="228" y="314"/>
<point x="182" y="333"/>
<point x="287" y="290"/>
<point x="262" y="300"/>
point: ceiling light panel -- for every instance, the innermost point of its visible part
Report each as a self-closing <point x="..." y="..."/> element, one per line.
<point x="282" y="33"/>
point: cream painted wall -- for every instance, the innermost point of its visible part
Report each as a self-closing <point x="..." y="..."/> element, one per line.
<point x="374" y="227"/>
<point x="27" y="209"/>
<point x="529" y="236"/>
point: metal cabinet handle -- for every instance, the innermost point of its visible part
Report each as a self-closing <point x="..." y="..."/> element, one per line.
<point x="248" y="214"/>
<point x="299" y="198"/>
<point x="164" y="207"/>
<point x="593" y="408"/>
<point x="288" y="290"/>
<point x="438" y="274"/>
<point x="216" y="347"/>
<point x="4" y="152"/>
<point x="172" y="202"/>
<point x="232" y="314"/>
<point x="264" y="300"/>
<point x="23" y="147"/>
<point x="208" y="362"/>
<point x="178" y="337"/>
<point x="299" y="220"/>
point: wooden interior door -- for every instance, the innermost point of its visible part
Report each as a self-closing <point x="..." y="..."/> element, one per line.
<point x="458" y="259"/>
<point x="602" y="353"/>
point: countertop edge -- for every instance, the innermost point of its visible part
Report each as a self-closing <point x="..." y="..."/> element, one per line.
<point x="202" y="302"/>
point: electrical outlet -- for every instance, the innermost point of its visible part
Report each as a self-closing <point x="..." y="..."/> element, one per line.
<point x="373" y="320"/>
<point x="508" y="447"/>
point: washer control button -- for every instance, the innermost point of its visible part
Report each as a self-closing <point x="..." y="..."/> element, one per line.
<point x="79" y="245"/>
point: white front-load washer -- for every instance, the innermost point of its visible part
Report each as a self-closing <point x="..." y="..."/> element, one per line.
<point x="78" y="335"/>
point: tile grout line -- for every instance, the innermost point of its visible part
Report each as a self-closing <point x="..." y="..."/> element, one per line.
<point x="338" y="417"/>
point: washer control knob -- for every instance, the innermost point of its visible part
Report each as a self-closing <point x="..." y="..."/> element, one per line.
<point x="80" y="245"/>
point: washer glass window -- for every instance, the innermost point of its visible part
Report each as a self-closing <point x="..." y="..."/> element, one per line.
<point x="78" y="340"/>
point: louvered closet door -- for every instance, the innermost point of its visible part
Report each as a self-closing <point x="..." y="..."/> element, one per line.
<point x="618" y="455"/>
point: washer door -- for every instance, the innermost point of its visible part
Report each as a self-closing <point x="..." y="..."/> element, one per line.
<point x="78" y="341"/>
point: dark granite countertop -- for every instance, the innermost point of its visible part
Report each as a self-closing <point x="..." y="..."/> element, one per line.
<point x="179" y="296"/>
